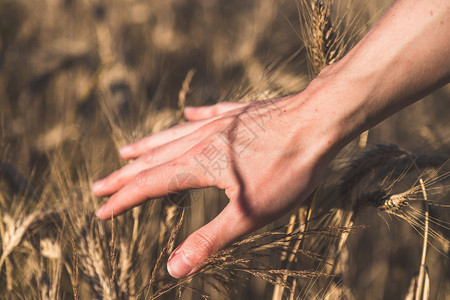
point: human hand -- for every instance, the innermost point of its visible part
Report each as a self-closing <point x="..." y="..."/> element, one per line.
<point x="267" y="156"/>
<point x="272" y="153"/>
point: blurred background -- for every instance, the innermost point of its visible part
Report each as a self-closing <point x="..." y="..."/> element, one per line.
<point x="83" y="77"/>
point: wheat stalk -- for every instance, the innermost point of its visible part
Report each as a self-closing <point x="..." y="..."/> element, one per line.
<point x="183" y="93"/>
<point x="319" y="35"/>
<point x="13" y="233"/>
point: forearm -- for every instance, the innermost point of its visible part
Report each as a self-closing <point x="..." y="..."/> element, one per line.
<point x="405" y="56"/>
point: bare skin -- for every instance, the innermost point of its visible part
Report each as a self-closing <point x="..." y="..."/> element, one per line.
<point x="272" y="154"/>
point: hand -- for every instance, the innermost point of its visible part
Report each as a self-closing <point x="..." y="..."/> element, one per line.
<point x="271" y="154"/>
<point x="267" y="156"/>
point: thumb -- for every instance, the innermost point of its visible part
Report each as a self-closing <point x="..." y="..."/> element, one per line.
<point x="214" y="236"/>
<point x="205" y="112"/>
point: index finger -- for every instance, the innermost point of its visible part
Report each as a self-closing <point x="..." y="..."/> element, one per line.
<point x="158" y="139"/>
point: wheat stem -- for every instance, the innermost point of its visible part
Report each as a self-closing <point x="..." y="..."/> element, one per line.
<point x="420" y="291"/>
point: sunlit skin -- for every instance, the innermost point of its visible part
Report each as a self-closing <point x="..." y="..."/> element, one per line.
<point x="273" y="153"/>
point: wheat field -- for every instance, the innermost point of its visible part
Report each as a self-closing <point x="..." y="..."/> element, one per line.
<point x="80" y="78"/>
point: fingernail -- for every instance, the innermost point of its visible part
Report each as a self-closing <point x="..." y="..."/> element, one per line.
<point x="98" y="185"/>
<point x="100" y="211"/>
<point x="178" y="265"/>
<point x="125" y="150"/>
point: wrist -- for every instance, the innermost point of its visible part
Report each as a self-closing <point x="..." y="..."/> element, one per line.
<point x="341" y="106"/>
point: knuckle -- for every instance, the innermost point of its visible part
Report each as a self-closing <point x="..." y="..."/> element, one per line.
<point x="142" y="179"/>
<point x="203" y="244"/>
<point x="148" y="158"/>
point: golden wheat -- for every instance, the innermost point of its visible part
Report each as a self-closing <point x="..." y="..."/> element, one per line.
<point x="81" y="79"/>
